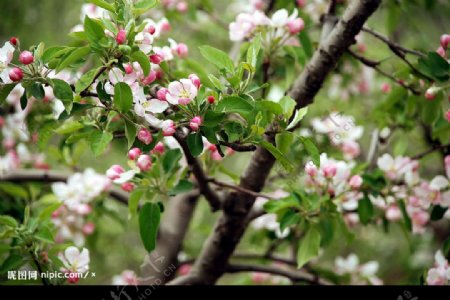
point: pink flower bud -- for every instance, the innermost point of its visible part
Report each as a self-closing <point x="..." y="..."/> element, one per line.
<point x="393" y="213"/>
<point x="216" y="155"/>
<point x="355" y="182"/>
<point x="144" y="162"/>
<point x="14" y="41"/>
<point x="145" y="136"/>
<point x="295" y="26"/>
<point x="441" y="51"/>
<point x="150" y="78"/>
<point x="182" y="50"/>
<point x="128" y="68"/>
<point x="121" y="37"/>
<point x="168" y="128"/>
<point x="114" y="172"/>
<point x="448" y="115"/>
<point x="88" y="228"/>
<point x="16" y="74"/>
<point x="329" y="171"/>
<point x="445" y="40"/>
<point x="156" y="59"/>
<point x="195" y="123"/>
<point x="301" y="3"/>
<point x="127" y="186"/>
<point x="165" y="26"/>
<point x="195" y="80"/>
<point x="311" y="169"/>
<point x="151" y="29"/>
<point x="26" y="57"/>
<point x="159" y="148"/>
<point x="182" y="7"/>
<point x="386" y="88"/>
<point x="211" y="99"/>
<point x="134" y="153"/>
<point x="184" y="269"/>
<point x="212" y="147"/>
<point x="431" y="93"/>
<point x="84" y="209"/>
<point x="161" y="94"/>
<point x="258" y="277"/>
<point x="73" y="278"/>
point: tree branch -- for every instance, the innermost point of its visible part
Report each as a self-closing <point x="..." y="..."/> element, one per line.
<point x="202" y="180"/>
<point x="238" y="147"/>
<point x="34" y="175"/>
<point x="237" y="188"/>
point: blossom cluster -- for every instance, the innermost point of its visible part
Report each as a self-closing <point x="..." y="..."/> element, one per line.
<point x="440" y="273"/>
<point x="360" y="274"/>
<point x="76" y="196"/>
<point x="281" y="26"/>
<point x="75" y="262"/>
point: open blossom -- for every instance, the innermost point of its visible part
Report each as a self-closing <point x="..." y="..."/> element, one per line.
<point x="440" y="274"/>
<point x="76" y="261"/>
<point x="181" y="92"/>
<point x="396" y="168"/>
<point x="127" y="277"/>
<point x="71" y="224"/>
<point x="359" y="274"/>
<point x="144" y="40"/>
<point x="80" y="188"/>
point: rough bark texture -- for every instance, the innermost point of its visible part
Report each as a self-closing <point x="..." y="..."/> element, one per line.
<point x="230" y="227"/>
<point x="172" y="231"/>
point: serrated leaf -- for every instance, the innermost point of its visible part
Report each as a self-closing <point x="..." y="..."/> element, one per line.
<point x="99" y="140"/>
<point x="74" y="56"/>
<point x="218" y="58"/>
<point x="86" y="80"/>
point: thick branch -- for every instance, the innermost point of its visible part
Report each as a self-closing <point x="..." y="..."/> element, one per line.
<point x="230" y="227"/>
<point x="239" y="147"/>
<point x="325" y="58"/>
<point x="33" y="175"/>
<point x="197" y="170"/>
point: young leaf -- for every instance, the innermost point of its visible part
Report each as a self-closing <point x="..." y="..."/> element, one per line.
<point x="277" y="154"/>
<point x="142" y="6"/>
<point x="86" y="80"/>
<point x="149" y="217"/>
<point x="37" y="91"/>
<point x="299" y="115"/>
<point x="133" y="201"/>
<point x="284" y="141"/>
<point x="170" y="159"/>
<point x="195" y="143"/>
<point x="253" y="50"/>
<point x="183" y="186"/>
<point x="234" y="104"/>
<point x="288" y="105"/>
<point x="63" y="92"/>
<point x="93" y="30"/>
<point x="8" y="221"/>
<point x="365" y="210"/>
<point x="306" y="43"/>
<point x="312" y="150"/>
<point x="143" y="60"/>
<point x="218" y="58"/>
<point x="99" y="141"/>
<point x="74" y="56"/>
<point x="103" y="4"/>
<point x="5" y="89"/>
<point x="130" y="133"/>
<point x="309" y="247"/>
<point x="123" y="97"/>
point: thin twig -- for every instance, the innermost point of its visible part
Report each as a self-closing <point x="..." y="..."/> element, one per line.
<point x="431" y="150"/>
<point x="237" y="188"/>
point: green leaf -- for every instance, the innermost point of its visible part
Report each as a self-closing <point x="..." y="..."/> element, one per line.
<point x="130" y="133"/>
<point x="103" y="4"/>
<point x="183" y="186"/>
<point x="63" y="92"/>
<point x="216" y="82"/>
<point x="170" y="159"/>
<point x="253" y="50"/>
<point x="306" y="43"/>
<point x="74" y="56"/>
<point x="8" y="221"/>
<point x="213" y="118"/>
<point x="133" y="201"/>
<point x="309" y="247"/>
<point x="299" y="115"/>
<point x="195" y="143"/>
<point x="446" y="247"/>
<point x="13" y="262"/>
<point x="234" y="104"/>
<point x="144" y="5"/>
<point x="406" y="218"/>
<point x="271" y="106"/>
<point x="143" y="60"/>
<point x="5" y="89"/>
<point x="69" y="127"/>
<point x="50" y="52"/>
<point x="93" y="30"/>
<point x="289" y="218"/>
<point x="13" y="189"/>
<point x="37" y="91"/>
<point x="438" y="212"/>
<point x="149" y="217"/>
<point x="288" y="105"/>
<point x="45" y="133"/>
<point x="99" y="141"/>
<point x="45" y="235"/>
<point x="123" y="97"/>
<point x="277" y="154"/>
<point x="218" y="58"/>
<point x="284" y="141"/>
<point x="86" y="80"/>
<point x="47" y="212"/>
<point x="312" y="150"/>
<point x="365" y="210"/>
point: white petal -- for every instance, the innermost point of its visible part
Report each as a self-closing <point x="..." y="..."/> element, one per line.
<point x="156" y="106"/>
<point x="438" y="183"/>
<point x="72" y="253"/>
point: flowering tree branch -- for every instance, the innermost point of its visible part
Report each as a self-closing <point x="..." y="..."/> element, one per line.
<point x="230" y="227"/>
<point x="49" y="176"/>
